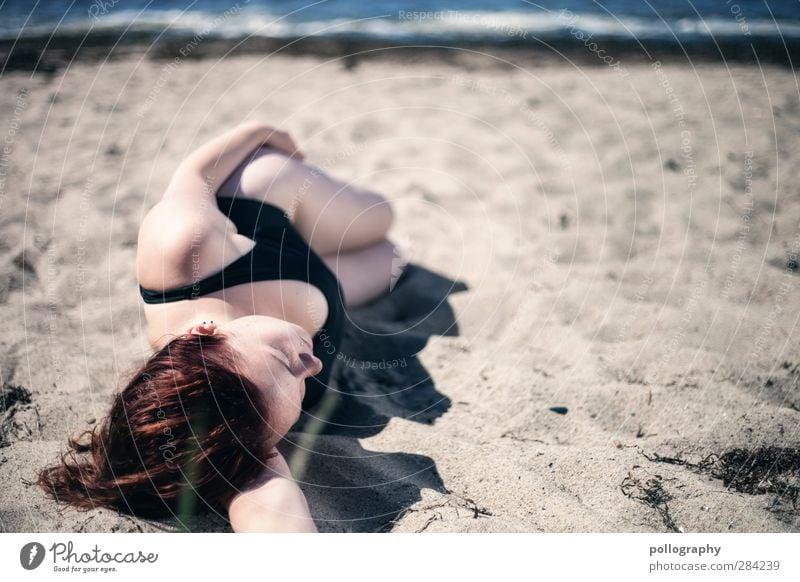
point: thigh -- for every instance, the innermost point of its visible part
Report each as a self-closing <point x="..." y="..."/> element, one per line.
<point x="337" y="217"/>
<point x="263" y="176"/>
<point x="331" y="215"/>
<point x="367" y="273"/>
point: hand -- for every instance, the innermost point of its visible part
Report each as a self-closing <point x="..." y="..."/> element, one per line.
<point x="282" y="141"/>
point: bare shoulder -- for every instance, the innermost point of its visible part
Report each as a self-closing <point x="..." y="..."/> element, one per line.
<point x="168" y="236"/>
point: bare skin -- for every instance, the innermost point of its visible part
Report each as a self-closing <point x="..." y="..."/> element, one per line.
<point x="185" y="237"/>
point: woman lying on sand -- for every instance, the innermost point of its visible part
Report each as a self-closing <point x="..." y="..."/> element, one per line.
<point x="244" y="266"/>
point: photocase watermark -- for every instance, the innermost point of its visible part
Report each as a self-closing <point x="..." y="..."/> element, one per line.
<point x="569" y="19"/>
<point x="101" y="7"/>
<point x="31" y="555"/>
<point x="167" y="448"/>
<point x="67" y="558"/>
<point x="530" y="116"/>
<point x="424" y="14"/>
<point x="54" y="306"/>
<point x="319" y="170"/>
<point x="784" y="291"/>
<point x="326" y="342"/>
<point x="200" y="227"/>
<point x="341" y="155"/>
<point x="687" y="152"/>
<point x="358" y="364"/>
<point x="484" y="20"/>
<point x="736" y="11"/>
<point x="744" y="227"/>
<point x="184" y="52"/>
<point x="10" y="138"/>
<point x="83" y="221"/>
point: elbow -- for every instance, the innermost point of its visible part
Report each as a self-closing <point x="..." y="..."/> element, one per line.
<point x="276" y="507"/>
<point x="264" y="521"/>
<point x="191" y="173"/>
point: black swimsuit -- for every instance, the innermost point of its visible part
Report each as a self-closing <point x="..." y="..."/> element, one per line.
<point x="279" y="253"/>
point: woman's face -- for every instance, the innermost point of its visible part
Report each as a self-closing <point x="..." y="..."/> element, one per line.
<point x="278" y="357"/>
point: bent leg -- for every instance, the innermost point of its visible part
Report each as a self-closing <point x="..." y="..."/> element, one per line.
<point x="367" y="273"/>
<point x="336" y="217"/>
<point x="333" y="216"/>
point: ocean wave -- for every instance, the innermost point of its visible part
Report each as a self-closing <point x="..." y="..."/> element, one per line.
<point x="411" y="26"/>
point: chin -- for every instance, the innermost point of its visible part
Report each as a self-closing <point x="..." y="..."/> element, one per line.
<point x="286" y="420"/>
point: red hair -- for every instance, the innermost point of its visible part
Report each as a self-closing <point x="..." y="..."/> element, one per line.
<point x="187" y="430"/>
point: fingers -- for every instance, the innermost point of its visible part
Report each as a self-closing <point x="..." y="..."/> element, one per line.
<point x="282" y="141"/>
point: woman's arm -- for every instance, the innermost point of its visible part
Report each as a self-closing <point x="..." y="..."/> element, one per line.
<point x="274" y="504"/>
<point x="204" y="170"/>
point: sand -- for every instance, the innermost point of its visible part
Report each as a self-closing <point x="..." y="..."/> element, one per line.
<point x="617" y="244"/>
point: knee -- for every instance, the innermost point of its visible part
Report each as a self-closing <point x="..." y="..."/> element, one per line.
<point x="273" y="177"/>
<point x="380" y="215"/>
<point x="387" y="214"/>
<point x="269" y="167"/>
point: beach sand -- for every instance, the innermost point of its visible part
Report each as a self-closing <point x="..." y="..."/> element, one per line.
<point x="617" y="244"/>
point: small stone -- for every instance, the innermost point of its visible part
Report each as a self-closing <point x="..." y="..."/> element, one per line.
<point x="559" y="409"/>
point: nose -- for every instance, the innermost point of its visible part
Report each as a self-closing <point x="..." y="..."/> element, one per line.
<point x="311" y="363"/>
<point x="303" y="336"/>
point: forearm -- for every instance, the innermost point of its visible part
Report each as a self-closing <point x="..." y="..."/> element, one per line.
<point x="218" y="158"/>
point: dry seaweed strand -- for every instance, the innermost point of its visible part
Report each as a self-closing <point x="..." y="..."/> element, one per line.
<point x="651" y="493"/>
<point x="765" y="470"/>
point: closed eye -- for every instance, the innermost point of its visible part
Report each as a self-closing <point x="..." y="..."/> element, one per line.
<point x="281" y="356"/>
<point x="286" y="361"/>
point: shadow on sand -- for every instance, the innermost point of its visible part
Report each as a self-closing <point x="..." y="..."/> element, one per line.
<point x="378" y="377"/>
